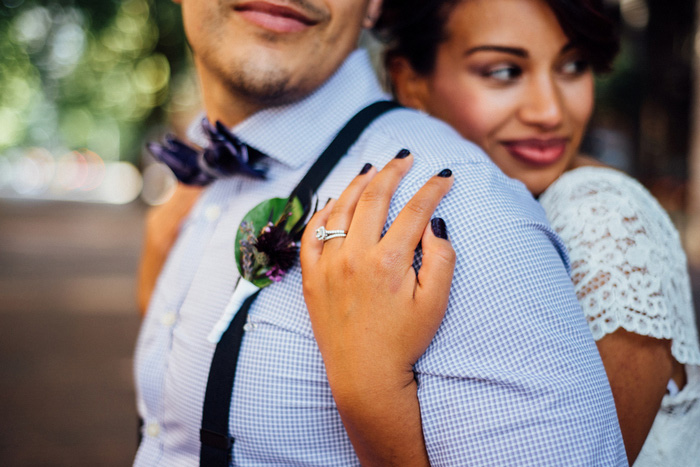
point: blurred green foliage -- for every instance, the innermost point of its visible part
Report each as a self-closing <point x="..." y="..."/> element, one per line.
<point x="86" y="74"/>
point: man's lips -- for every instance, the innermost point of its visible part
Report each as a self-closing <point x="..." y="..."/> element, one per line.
<point x="537" y="151"/>
<point x="274" y="17"/>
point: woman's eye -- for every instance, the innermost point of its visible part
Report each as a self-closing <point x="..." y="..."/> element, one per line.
<point x="504" y="73"/>
<point x="575" y="67"/>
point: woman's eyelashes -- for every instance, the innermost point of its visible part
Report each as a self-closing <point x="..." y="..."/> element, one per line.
<point x="500" y="74"/>
<point x="505" y="73"/>
<point x="575" y="67"/>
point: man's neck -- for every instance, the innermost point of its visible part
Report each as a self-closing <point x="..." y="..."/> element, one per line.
<point x="220" y="104"/>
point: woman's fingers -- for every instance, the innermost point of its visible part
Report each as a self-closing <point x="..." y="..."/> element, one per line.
<point x="373" y="206"/>
<point x="340" y="217"/>
<point x="311" y="247"/>
<point x="408" y="227"/>
<point x="435" y="274"/>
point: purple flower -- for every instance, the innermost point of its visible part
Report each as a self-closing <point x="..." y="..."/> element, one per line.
<point x="275" y="274"/>
<point x="280" y="249"/>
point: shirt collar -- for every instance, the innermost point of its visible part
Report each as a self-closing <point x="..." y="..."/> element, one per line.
<point x="294" y="134"/>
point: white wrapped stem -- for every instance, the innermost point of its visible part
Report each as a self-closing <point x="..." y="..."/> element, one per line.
<point x="243" y="290"/>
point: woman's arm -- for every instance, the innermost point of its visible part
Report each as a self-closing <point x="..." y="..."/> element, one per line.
<point x="372" y="315"/>
<point x="638" y="368"/>
<point x="162" y="227"/>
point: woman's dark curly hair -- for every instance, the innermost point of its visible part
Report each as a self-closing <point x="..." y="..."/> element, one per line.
<point x="414" y="29"/>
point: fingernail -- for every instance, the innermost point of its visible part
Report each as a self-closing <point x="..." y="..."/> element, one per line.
<point x="403" y="154"/>
<point x="366" y="168"/>
<point x="329" y="200"/>
<point x="445" y="173"/>
<point x="439" y="227"/>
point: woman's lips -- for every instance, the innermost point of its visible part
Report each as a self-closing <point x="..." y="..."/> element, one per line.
<point x="276" y="18"/>
<point x="537" y="151"/>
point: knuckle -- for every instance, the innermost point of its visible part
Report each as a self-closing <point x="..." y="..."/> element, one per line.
<point x="419" y="207"/>
<point x="337" y="213"/>
<point x="339" y="207"/>
<point x="447" y="255"/>
<point x="372" y="195"/>
<point x="348" y="267"/>
<point x="388" y="262"/>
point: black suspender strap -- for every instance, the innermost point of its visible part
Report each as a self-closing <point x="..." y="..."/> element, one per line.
<point x="216" y="443"/>
<point x="214" y="435"/>
<point x="338" y="148"/>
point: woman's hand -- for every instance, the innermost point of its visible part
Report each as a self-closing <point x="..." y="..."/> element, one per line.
<point x="372" y="315"/>
<point x="162" y="227"/>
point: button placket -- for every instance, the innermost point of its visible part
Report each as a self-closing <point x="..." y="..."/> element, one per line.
<point x="212" y="212"/>
<point x="168" y="319"/>
<point x="153" y="429"/>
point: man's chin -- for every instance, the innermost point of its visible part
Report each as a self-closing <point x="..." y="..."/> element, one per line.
<point x="268" y="86"/>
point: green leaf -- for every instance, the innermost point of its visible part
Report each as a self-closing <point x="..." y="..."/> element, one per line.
<point x="297" y="210"/>
<point x="261" y="282"/>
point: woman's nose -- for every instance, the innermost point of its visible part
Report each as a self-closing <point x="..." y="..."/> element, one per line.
<point x="543" y="104"/>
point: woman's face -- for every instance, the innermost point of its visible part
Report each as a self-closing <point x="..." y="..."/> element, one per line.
<point x="507" y="78"/>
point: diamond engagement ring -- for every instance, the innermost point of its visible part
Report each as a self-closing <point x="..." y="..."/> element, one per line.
<point x="323" y="235"/>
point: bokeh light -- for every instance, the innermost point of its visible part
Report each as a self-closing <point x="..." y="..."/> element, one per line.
<point x="83" y="82"/>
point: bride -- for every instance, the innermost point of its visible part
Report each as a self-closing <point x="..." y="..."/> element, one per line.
<point x="515" y="77"/>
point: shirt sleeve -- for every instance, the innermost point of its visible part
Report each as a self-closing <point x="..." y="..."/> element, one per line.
<point x="628" y="266"/>
<point x="513" y="376"/>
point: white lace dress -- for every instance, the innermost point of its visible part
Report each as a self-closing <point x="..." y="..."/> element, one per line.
<point x="630" y="271"/>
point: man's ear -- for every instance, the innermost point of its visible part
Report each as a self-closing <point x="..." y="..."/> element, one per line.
<point x="410" y="88"/>
<point x="374" y="9"/>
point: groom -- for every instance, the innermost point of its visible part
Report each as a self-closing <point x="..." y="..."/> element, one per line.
<point x="513" y="376"/>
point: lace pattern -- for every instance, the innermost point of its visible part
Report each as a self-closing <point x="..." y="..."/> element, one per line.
<point x="627" y="264"/>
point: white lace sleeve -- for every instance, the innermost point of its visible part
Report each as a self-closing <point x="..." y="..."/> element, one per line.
<point x="627" y="264"/>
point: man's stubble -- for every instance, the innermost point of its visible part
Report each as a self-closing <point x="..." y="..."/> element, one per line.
<point x="255" y="79"/>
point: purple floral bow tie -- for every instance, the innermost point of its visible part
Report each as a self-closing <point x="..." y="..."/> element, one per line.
<point x="224" y="156"/>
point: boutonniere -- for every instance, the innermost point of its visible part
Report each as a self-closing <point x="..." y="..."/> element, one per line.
<point x="266" y="247"/>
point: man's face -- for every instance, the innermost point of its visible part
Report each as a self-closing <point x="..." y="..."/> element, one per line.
<point x="271" y="52"/>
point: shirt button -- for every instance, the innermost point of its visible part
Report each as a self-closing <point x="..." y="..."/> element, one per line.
<point x="153" y="429"/>
<point x="168" y="319"/>
<point x="212" y="212"/>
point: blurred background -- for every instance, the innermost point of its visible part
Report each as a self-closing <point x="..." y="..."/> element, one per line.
<point x="84" y="84"/>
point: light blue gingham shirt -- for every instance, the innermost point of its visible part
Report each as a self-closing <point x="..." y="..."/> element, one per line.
<point x="512" y="377"/>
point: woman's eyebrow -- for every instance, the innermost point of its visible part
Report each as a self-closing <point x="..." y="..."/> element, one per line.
<point x="566" y="48"/>
<point x="498" y="48"/>
<point x="517" y="51"/>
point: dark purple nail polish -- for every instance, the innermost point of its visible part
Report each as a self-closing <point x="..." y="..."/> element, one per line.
<point x="403" y="154"/>
<point x="439" y="227"/>
<point x="329" y="200"/>
<point x="366" y="168"/>
<point x="445" y="173"/>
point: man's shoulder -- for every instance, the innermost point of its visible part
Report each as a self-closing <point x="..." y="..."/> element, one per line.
<point x="479" y="183"/>
<point x="427" y="137"/>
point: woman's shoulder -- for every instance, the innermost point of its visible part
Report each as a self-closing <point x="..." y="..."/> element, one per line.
<point x="592" y="183"/>
<point x="628" y="265"/>
<point x="605" y="196"/>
